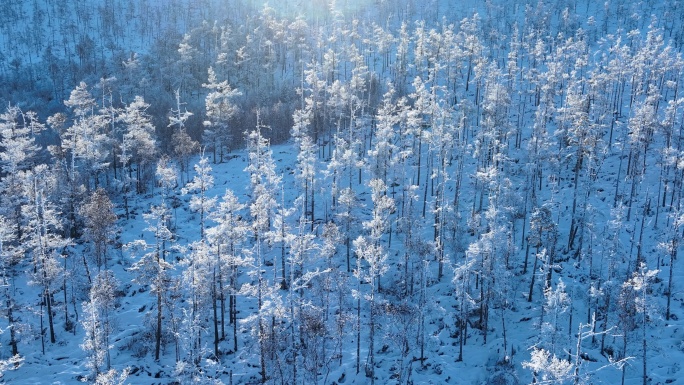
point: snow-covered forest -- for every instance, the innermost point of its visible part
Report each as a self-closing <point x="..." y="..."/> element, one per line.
<point x="341" y="192"/>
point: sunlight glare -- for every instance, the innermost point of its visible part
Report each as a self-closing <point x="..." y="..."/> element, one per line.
<point x="314" y="9"/>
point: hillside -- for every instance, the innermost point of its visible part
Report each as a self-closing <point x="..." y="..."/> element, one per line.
<point x="342" y="193"/>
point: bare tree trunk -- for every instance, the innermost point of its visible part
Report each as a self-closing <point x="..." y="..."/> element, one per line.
<point x="10" y="321"/>
<point x="48" y="300"/>
<point x="214" y="298"/>
<point x="157" y="334"/>
<point x="534" y="275"/>
<point x="673" y="256"/>
<point x="358" y="334"/>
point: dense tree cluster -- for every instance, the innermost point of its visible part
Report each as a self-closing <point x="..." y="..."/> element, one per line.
<point x="530" y="164"/>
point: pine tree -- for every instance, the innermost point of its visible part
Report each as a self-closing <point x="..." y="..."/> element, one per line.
<point x="18" y="131"/>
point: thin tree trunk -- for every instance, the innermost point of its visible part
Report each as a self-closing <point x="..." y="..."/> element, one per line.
<point x="534" y="275"/>
<point x="358" y="334"/>
<point x="157" y="334"/>
<point x="214" y="298"/>
<point x="673" y="256"/>
<point x="48" y="300"/>
<point x="10" y="321"/>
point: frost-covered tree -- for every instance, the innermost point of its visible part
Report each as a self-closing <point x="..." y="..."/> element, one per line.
<point x="347" y="203"/>
<point x="227" y="238"/>
<point x="264" y="183"/>
<point x="306" y="160"/>
<point x="308" y="329"/>
<point x="671" y="247"/>
<point x="372" y="261"/>
<point x="267" y="323"/>
<point x="167" y="179"/>
<point x="381" y="159"/>
<point x="151" y="268"/>
<point x="98" y="323"/>
<point x="583" y="138"/>
<point x="198" y="186"/>
<point x="18" y="131"/>
<point x="182" y="144"/>
<point x="85" y="140"/>
<point x="281" y="234"/>
<point x="441" y="140"/>
<point x="466" y="302"/>
<point x="139" y="146"/>
<point x="635" y="301"/>
<point x="489" y="252"/>
<point x="198" y="278"/>
<point x="220" y="108"/>
<point x="42" y="237"/>
<point x="556" y="303"/>
<point x="99" y="219"/>
<point x="547" y="368"/>
<point x="543" y="236"/>
<point x="10" y="256"/>
<point x="112" y="377"/>
<point x="167" y="176"/>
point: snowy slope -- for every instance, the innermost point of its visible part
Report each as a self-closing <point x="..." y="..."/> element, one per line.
<point x="483" y="363"/>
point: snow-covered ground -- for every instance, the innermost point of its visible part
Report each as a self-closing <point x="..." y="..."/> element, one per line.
<point x="483" y="363"/>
